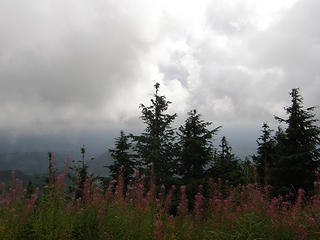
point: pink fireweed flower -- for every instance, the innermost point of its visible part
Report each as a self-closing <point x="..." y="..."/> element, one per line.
<point x="231" y="216"/>
<point x="60" y="185"/>
<point x="301" y="230"/>
<point x="159" y="223"/>
<point x="87" y="189"/>
<point x="161" y="194"/>
<point x="198" y="204"/>
<point x="183" y="205"/>
<point x="29" y="204"/>
<point x="311" y="220"/>
<point x="100" y="214"/>
<point x="120" y="187"/>
<point x="158" y="230"/>
<point x="238" y="209"/>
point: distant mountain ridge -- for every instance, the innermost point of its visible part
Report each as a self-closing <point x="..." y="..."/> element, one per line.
<point x="37" y="162"/>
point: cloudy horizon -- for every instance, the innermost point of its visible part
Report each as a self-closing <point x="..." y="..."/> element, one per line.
<point x="71" y="69"/>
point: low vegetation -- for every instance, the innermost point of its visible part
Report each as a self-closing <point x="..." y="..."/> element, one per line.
<point x="141" y="211"/>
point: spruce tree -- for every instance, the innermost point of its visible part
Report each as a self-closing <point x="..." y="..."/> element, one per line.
<point x="226" y="166"/>
<point x="265" y="154"/>
<point x="156" y="144"/>
<point x="122" y="157"/>
<point x="195" y="144"/>
<point x="299" y="153"/>
<point x="79" y="174"/>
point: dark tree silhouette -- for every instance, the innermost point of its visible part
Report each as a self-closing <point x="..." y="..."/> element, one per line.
<point x="226" y="166"/>
<point x="79" y="174"/>
<point x="265" y="154"/>
<point x="298" y="150"/>
<point x="122" y="157"/>
<point x="195" y="144"/>
<point x="156" y="144"/>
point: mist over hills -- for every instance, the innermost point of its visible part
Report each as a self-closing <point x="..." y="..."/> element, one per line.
<point x="36" y="163"/>
<point x="29" y="153"/>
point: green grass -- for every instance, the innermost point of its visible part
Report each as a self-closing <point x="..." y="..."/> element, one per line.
<point x="240" y="213"/>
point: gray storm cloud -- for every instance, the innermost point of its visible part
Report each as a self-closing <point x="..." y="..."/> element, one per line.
<point x="82" y="64"/>
<point x="63" y="65"/>
<point x="293" y="45"/>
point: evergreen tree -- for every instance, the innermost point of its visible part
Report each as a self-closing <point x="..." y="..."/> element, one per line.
<point x="225" y="152"/>
<point x="122" y="157"/>
<point x="195" y="144"/>
<point x="156" y="144"/>
<point x="298" y="148"/>
<point x="80" y="174"/>
<point x="247" y="171"/>
<point x="265" y="154"/>
<point x="226" y="166"/>
<point x="278" y="152"/>
<point x="50" y="180"/>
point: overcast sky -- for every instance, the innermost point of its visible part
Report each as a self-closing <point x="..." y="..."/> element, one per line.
<point x="71" y="66"/>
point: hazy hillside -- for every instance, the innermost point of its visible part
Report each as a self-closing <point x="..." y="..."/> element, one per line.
<point x="6" y="177"/>
<point x="31" y="163"/>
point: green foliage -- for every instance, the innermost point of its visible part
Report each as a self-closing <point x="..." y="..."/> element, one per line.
<point x="265" y="154"/>
<point x="236" y="213"/>
<point x="247" y="171"/>
<point x="247" y="227"/>
<point x="122" y="157"/>
<point x="195" y="144"/>
<point x="119" y="223"/>
<point x="298" y="147"/>
<point x="156" y="144"/>
<point x="85" y="225"/>
<point x="26" y="231"/>
<point x="225" y="165"/>
<point x="79" y="174"/>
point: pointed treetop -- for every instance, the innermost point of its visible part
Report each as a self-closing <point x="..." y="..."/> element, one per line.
<point x="157" y="86"/>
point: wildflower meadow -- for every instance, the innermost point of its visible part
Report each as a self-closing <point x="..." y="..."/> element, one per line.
<point x="141" y="210"/>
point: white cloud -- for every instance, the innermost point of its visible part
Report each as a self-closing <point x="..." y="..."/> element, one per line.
<point x="70" y="64"/>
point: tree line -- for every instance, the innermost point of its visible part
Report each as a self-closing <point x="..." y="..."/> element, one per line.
<point x="287" y="159"/>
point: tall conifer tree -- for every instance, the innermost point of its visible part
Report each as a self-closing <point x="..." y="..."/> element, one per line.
<point x="300" y="153"/>
<point x="79" y="174"/>
<point x="226" y="166"/>
<point x="195" y="144"/>
<point x="265" y="154"/>
<point x="122" y="157"/>
<point x="156" y="144"/>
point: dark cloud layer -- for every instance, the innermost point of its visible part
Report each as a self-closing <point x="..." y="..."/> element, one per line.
<point x="71" y="67"/>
